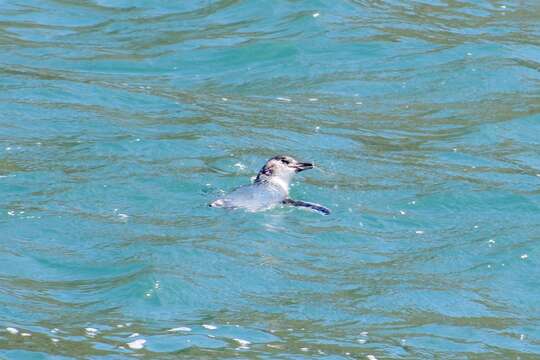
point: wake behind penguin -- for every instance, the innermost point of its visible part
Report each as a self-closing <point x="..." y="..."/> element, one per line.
<point x="271" y="188"/>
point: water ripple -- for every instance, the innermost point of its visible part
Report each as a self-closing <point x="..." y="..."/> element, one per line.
<point x="121" y="120"/>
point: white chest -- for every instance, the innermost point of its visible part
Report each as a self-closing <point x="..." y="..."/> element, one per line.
<point x="281" y="184"/>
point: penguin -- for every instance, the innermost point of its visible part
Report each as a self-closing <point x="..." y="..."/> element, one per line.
<point x="270" y="188"/>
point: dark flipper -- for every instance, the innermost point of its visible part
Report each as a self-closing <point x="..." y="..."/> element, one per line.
<point x="299" y="203"/>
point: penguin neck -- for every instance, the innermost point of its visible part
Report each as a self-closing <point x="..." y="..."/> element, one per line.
<point x="276" y="181"/>
<point x="279" y="182"/>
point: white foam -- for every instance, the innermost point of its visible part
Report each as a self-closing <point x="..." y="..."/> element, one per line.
<point x="55" y="340"/>
<point x="524" y="256"/>
<point x="242" y="342"/>
<point x="209" y="327"/>
<point x="134" y="335"/>
<point x="240" y="166"/>
<point x="313" y="99"/>
<point x="316" y="14"/>
<point x="91" y="331"/>
<point x="26" y="334"/>
<point x="420" y="232"/>
<point x="181" y="328"/>
<point x="283" y="99"/>
<point x="137" y="344"/>
<point x="402" y="212"/>
<point x="371" y="357"/>
<point x="12" y="330"/>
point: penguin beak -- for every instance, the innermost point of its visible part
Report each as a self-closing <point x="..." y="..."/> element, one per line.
<point x="303" y="166"/>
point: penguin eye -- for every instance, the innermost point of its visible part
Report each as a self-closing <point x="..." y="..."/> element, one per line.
<point x="285" y="161"/>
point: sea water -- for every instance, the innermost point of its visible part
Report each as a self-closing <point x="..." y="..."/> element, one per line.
<point x="121" y="120"/>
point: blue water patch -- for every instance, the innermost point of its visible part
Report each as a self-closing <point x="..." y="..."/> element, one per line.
<point x="120" y="121"/>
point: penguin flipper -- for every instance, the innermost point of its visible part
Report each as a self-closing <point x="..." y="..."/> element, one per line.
<point x="299" y="203"/>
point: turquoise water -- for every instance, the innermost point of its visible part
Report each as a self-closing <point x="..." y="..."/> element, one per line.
<point x="121" y="120"/>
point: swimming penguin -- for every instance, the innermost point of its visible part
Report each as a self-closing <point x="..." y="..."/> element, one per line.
<point x="270" y="188"/>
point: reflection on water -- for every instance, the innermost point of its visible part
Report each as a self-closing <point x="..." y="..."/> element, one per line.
<point x="121" y="120"/>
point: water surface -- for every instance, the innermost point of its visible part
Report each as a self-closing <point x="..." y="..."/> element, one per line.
<point x="121" y="120"/>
